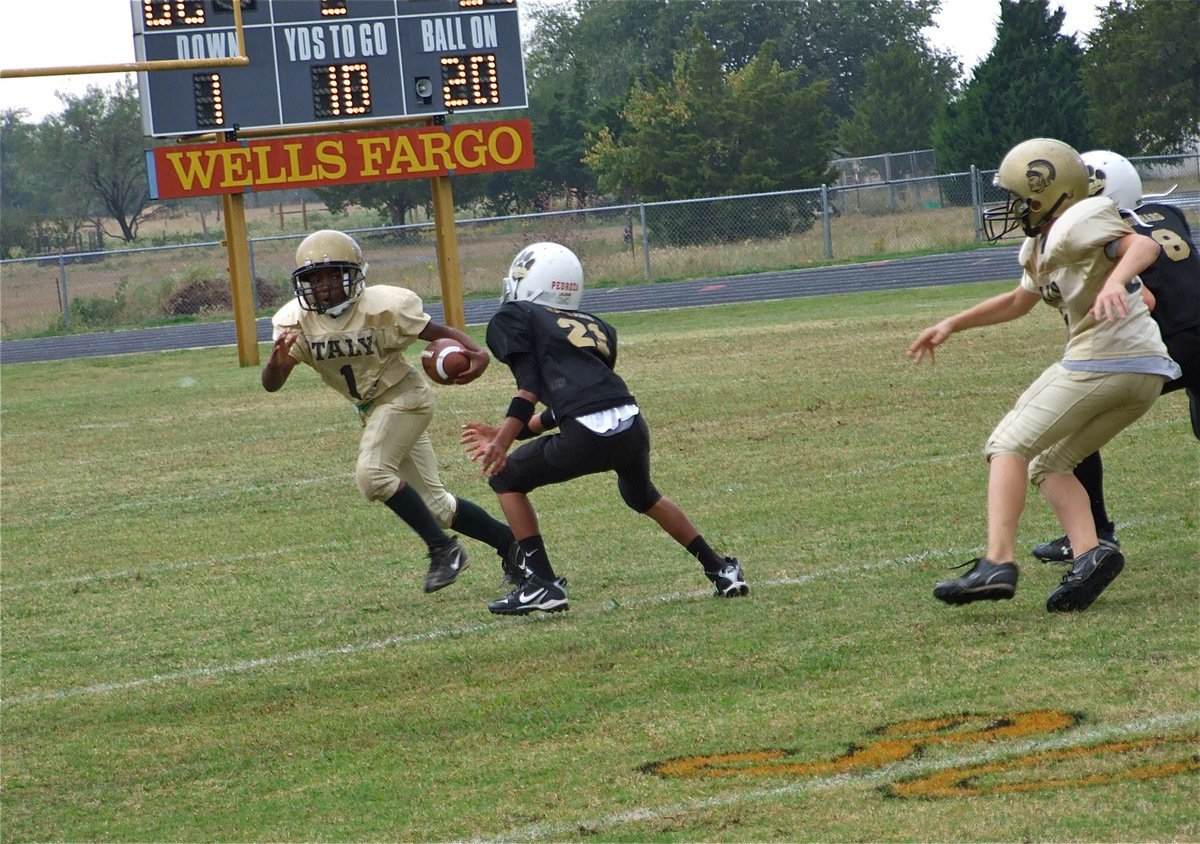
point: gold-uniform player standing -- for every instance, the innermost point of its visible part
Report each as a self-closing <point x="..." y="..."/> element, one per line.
<point x="355" y="336"/>
<point x="1080" y="257"/>
<point x="1172" y="291"/>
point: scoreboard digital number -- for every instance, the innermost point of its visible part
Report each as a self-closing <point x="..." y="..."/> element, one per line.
<point x="315" y="61"/>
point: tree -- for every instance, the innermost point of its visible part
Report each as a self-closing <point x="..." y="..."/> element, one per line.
<point x="1027" y="87"/>
<point x="905" y="90"/>
<point x="636" y="39"/>
<point x="21" y="201"/>
<point x="589" y="58"/>
<point x="98" y="146"/>
<point x="706" y="132"/>
<point x="560" y="125"/>
<point x="1142" y="76"/>
<point x="835" y="39"/>
<point x="394" y="201"/>
<point x="41" y="207"/>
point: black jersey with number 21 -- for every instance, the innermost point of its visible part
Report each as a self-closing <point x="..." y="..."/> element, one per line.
<point x="574" y="353"/>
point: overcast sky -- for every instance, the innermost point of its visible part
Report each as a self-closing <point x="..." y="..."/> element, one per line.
<point x="101" y="32"/>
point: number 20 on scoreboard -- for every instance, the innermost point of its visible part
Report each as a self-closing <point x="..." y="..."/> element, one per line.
<point x="314" y="61"/>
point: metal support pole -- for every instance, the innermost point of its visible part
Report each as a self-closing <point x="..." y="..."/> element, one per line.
<point x="887" y="177"/>
<point x="240" y="60"/>
<point x="976" y="211"/>
<point x="241" y="283"/>
<point x="64" y="297"/>
<point x="645" y="242"/>
<point x="827" y="221"/>
<point x="253" y="276"/>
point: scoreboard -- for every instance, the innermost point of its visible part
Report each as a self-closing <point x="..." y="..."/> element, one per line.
<point x="314" y="61"/>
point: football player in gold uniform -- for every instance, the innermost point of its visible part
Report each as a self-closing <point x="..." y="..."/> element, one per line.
<point x="354" y="336"/>
<point x="1172" y="288"/>
<point x="1080" y="257"/>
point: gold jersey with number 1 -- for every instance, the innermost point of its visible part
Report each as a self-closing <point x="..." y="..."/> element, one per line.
<point x="360" y="352"/>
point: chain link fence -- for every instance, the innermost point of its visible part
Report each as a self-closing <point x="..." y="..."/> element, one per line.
<point x="882" y="206"/>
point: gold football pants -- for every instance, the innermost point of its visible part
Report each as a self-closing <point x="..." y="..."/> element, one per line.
<point x="1065" y="415"/>
<point x="395" y="447"/>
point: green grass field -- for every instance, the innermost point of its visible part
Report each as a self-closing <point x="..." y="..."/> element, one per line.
<point x="209" y="636"/>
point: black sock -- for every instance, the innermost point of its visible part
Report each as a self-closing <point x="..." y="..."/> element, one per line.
<point x="708" y="558"/>
<point x="1194" y="410"/>
<point x="1090" y="473"/>
<point x="473" y="521"/>
<point x="408" y="506"/>
<point x="535" y="557"/>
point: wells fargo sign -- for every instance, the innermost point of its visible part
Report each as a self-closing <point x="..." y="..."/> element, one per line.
<point x="321" y="160"/>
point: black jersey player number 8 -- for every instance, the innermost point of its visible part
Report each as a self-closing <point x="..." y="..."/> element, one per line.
<point x="1173" y="246"/>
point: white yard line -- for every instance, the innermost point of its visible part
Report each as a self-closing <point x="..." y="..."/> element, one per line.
<point x="158" y="503"/>
<point x="299" y="551"/>
<point x="400" y="640"/>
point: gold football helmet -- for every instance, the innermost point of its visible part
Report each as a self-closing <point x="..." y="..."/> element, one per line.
<point x="1044" y="178"/>
<point x="322" y="251"/>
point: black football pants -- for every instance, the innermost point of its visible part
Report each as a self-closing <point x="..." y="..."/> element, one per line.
<point x="576" y="451"/>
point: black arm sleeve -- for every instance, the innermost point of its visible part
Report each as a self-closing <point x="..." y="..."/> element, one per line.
<point x="612" y="345"/>
<point x="525" y="369"/>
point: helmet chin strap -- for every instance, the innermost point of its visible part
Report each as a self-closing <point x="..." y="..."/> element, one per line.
<point x="1047" y="219"/>
<point x="338" y="310"/>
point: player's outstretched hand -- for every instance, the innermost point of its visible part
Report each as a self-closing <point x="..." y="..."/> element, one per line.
<point x="280" y="351"/>
<point x="927" y="341"/>
<point x="475" y="433"/>
<point x="479" y="440"/>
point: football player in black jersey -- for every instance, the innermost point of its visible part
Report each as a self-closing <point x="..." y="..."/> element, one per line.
<point x="1172" y="290"/>
<point x="563" y="358"/>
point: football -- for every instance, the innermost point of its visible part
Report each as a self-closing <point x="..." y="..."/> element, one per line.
<point x="444" y="360"/>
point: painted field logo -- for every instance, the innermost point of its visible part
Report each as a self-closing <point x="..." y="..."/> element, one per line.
<point x="1096" y="764"/>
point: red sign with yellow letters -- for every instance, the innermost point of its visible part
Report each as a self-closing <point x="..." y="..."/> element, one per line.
<point x="308" y="161"/>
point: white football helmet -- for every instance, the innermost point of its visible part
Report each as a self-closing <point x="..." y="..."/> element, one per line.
<point x="546" y="273"/>
<point x="1044" y="178"/>
<point x="328" y="249"/>
<point x="1111" y="175"/>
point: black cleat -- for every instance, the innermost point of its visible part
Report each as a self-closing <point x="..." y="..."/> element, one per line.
<point x="533" y="594"/>
<point x="1059" y="550"/>
<point x="1194" y="411"/>
<point x="446" y="563"/>
<point x="513" y="567"/>
<point x="1089" y="576"/>
<point x="986" y="581"/>
<point x="730" y="581"/>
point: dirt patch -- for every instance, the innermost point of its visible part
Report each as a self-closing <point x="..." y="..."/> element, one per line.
<point x="214" y="294"/>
